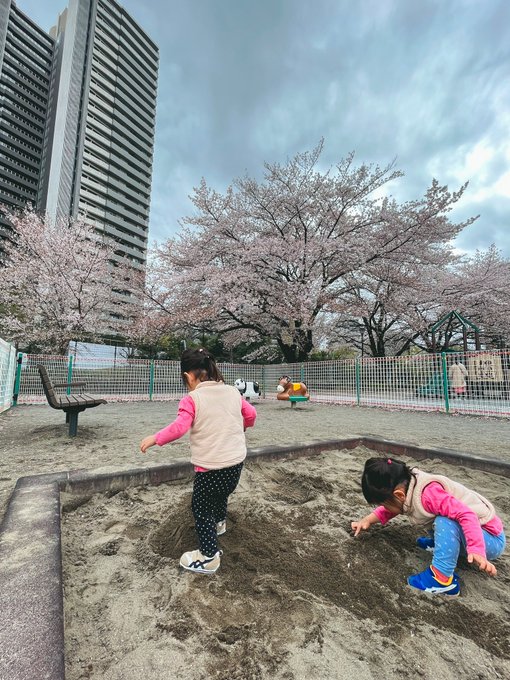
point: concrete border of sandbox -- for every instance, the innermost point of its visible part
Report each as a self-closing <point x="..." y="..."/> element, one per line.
<point x="31" y="593"/>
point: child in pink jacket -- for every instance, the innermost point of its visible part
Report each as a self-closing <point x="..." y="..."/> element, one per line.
<point x="461" y="521"/>
<point x="216" y="416"/>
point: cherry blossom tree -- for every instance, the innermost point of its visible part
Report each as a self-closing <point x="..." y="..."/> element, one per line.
<point x="391" y="310"/>
<point x="264" y="260"/>
<point x="57" y="283"/>
<point x="479" y="287"/>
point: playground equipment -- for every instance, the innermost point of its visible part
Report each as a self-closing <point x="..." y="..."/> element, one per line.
<point x="291" y="391"/>
<point x="434" y="387"/>
<point x="450" y="325"/>
<point x="248" y="389"/>
<point x="294" y="400"/>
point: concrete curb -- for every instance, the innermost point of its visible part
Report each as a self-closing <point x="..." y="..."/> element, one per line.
<point x="31" y="598"/>
<point x="31" y="595"/>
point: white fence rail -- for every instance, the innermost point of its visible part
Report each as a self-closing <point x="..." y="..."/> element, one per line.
<point x="422" y="382"/>
<point x="7" y="374"/>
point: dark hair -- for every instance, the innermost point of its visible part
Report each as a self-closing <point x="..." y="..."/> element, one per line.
<point x="201" y="363"/>
<point x="381" y="476"/>
<point x="284" y="377"/>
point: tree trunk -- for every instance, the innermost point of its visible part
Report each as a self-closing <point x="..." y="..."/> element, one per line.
<point x="300" y="347"/>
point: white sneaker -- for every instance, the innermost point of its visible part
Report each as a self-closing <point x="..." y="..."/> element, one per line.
<point x="221" y="527"/>
<point x="201" y="564"/>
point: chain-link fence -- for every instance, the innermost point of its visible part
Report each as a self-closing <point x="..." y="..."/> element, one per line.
<point x="476" y="383"/>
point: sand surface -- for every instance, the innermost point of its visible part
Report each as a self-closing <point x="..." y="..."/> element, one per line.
<point x="296" y="596"/>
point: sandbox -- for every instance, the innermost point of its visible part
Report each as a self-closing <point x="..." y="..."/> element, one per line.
<point x="296" y="596"/>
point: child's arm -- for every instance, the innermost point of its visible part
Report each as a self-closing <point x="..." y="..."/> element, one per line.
<point x="179" y="427"/>
<point x="147" y="442"/>
<point x="438" y="501"/>
<point x="380" y="514"/>
<point x="249" y="413"/>
<point x="365" y="523"/>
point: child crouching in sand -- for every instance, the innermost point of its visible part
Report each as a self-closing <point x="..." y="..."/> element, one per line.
<point x="461" y="521"/>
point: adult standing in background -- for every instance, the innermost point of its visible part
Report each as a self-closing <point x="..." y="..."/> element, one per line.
<point x="457" y="376"/>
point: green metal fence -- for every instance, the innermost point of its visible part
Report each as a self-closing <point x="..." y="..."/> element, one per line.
<point x="422" y="382"/>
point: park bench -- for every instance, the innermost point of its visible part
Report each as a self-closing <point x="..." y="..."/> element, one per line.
<point x="71" y="404"/>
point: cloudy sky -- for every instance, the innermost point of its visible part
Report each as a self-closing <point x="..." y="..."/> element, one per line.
<point x="246" y="81"/>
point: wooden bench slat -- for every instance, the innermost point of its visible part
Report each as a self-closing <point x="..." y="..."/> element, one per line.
<point x="71" y="384"/>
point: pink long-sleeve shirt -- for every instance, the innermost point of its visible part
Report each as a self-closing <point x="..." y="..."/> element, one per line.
<point x="437" y="501"/>
<point x="186" y="416"/>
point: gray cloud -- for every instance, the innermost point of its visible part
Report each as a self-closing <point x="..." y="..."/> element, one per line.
<point x="244" y="82"/>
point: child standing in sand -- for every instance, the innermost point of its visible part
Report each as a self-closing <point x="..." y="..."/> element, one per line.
<point x="217" y="416"/>
<point x="461" y="521"/>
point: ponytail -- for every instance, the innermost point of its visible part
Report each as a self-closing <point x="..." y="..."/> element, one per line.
<point x="201" y="363"/>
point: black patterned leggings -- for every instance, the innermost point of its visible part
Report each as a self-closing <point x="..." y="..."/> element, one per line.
<point x="209" y="503"/>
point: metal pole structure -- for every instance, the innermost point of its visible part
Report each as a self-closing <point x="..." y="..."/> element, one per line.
<point x="445" y="383"/>
<point x="69" y="373"/>
<point x="151" y="380"/>
<point x="17" y="380"/>
<point x="358" y="382"/>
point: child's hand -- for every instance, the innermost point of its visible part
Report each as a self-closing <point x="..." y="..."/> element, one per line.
<point x="363" y="524"/>
<point x="483" y="564"/>
<point x="147" y="443"/>
<point x="360" y="525"/>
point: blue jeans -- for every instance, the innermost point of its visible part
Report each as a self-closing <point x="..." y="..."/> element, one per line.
<point x="450" y="542"/>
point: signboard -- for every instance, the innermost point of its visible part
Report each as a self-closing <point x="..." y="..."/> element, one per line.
<point x="485" y="367"/>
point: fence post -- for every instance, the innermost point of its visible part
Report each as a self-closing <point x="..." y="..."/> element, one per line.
<point x="445" y="383"/>
<point x="17" y="380"/>
<point x="263" y="381"/>
<point x="358" y="382"/>
<point x="69" y="373"/>
<point x="151" y="380"/>
<point x="302" y="373"/>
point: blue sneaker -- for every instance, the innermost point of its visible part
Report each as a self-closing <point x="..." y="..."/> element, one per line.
<point x="428" y="583"/>
<point x="425" y="543"/>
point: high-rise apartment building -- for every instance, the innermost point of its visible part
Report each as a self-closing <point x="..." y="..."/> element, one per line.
<point x="97" y="148"/>
<point x="26" y="57"/>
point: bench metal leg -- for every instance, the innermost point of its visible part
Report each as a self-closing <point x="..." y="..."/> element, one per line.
<point x="72" y="419"/>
